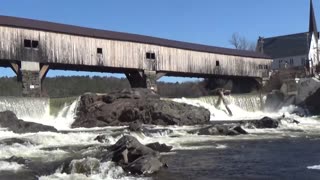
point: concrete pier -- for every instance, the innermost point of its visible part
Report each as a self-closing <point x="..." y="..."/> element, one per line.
<point x="143" y="79"/>
<point x="30" y="76"/>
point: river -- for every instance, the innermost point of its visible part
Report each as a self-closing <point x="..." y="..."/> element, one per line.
<point x="288" y="152"/>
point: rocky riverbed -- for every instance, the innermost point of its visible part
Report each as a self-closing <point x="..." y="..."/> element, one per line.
<point x="139" y="141"/>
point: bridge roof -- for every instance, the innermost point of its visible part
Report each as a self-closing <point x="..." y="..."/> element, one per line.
<point x="120" y="36"/>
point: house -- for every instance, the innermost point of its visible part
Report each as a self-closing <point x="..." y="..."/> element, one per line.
<point x="293" y="51"/>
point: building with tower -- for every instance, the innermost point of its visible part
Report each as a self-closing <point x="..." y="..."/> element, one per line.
<point x="298" y="51"/>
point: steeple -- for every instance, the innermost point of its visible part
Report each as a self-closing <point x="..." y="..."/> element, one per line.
<point x="312" y="22"/>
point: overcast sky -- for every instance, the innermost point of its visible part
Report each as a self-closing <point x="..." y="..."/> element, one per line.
<point x="210" y="22"/>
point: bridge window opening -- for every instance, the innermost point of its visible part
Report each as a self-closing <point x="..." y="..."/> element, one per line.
<point x="153" y="56"/>
<point x="35" y="44"/>
<point x="291" y="61"/>
<point x="303" y="61"/>
<point x="31" y="43"/>
<point x="260" y="66"/>
<point x="150" y="55"/>
<point x="27" y="43"/>
<point x="266" y="67"/>
<point x="280" y="62"/>
<point x="217" y="63"/>
<point x="99" y="50"/>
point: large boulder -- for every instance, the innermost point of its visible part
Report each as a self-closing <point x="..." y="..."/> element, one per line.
<point x="266" y="122"/>
<point x="135" y="126"/>
<point x="226" y="130"/>
<point x="147" y="164"/>
<point x="159" y="147"/>
<point x="10" y="121"/>
<point x="135" y="157"/>
<point x="131" y="105"/>
<point x="312" y="103"/>
<point x="127" y="152"/>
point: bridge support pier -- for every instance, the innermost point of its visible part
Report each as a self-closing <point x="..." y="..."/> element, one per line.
<point x="31" y="76"/>
<point x="144" y="79"/>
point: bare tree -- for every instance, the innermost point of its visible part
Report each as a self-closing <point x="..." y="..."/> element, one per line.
<point x="242" y="43"/>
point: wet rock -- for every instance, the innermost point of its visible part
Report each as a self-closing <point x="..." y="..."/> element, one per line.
<point x="85" y="166"/>
<point x="239" y="129"/>
<point x="157" y="132"/>
<point x="135" y="157"/>
<point x="159" y="147"/>
<point x="290" y="120"/>
<point x="300" y="112"/>
<point x="73" y="164"/>
<point x="102" y="139"/>
<point x="226" y="130"/>
<point x="9" y="120"/>
<point x="265" y="122"/>
<point x="135" y="105"/>
<point x="312" y="103"/>
<point x="39" y="168"/>
<point x="274" y="101"/>
<point x="11" y="141"/>
<point x="147" y="164"/>
<point x="18" y="160"/>
<point x="135" y="126"/>
<point x="136" y="149"/>
<point x="308" y="95"/>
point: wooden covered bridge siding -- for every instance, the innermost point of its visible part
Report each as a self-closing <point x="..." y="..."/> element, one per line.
<point x="53" y="50"/>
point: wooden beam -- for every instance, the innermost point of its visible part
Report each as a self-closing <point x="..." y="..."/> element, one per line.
<point x="15" y="67"/>
<point x="43" y="71"/>
<point x="160" y="75"/>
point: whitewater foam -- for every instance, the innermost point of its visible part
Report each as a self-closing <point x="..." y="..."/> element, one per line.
<point x="220" y="112"/>
<point x="62" y="121"/>
<point x="176" y="136"/>
<point x="221" y="146"/>
<point x="30" y="152"/>
<point x="10" y="166"/>
<point x="107" y="170"/>
<point x="315" y="167"/>
<point x="25" y="106"/>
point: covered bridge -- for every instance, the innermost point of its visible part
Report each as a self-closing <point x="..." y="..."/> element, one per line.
<point x="32" y="47"/>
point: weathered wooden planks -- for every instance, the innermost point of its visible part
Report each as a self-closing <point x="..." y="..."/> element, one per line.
<point x="79" y="50"/>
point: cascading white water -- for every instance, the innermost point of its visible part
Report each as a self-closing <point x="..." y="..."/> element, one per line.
<point x="25" y="106"/>
<point x="242" y="106"/>
<point x="66" y="116"/>
<point x="38" y="110"/>
<point x="250" y="102"/>
<point x="32" y="109"/>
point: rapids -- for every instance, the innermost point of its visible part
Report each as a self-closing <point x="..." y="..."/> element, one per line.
<point x="48" y="146"/>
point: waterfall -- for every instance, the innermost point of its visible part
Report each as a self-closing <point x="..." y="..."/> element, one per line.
<point x="247" y="102"/>
<point x="25" y="106"/>
<point x="57" y="112"/>
<point x="245" y="106"/>
<point x="60" y="112"/>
